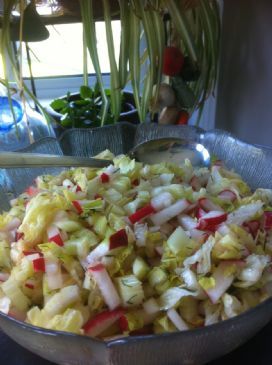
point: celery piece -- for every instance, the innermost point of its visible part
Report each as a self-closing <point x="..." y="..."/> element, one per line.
<point x="140" y="268"/>
<point x="157" y="276"/>
<point x="61" y="300"/>
<point x="4" y="254"/>
<point x="15" y="294"/>
<point x="130" y="290"/>
<point x="179" y="242"/>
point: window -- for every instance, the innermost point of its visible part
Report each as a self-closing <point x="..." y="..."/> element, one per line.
<point x="62" y="53"/>
<point x="57" y="63"/>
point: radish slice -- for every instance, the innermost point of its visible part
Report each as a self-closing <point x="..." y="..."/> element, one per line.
<point x="102" y="321"/>
<point x="140" y="231"/>
<point x="141" y="213"/>
<point x="54" y="235"/>
<point x="208" y="205"/>
<point x="222" y="281"/>
<point x="53" y="274"/>
<point x="105" y="285"/>
<point x="97" y="253"/>
<point x="187" y="222"/>
<point x="162" y="201"/>
<point x="211" y="220"/>
<point x="118" y="239"/>
<point x="227" y="195"/>
<point x="176" y="319"/>
<point x="198" y="235"/>
<point x="166" y="214"/>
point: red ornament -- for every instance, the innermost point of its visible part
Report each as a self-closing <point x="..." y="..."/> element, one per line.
<point x="173" y="61"/>
<point x="183" y="118"/>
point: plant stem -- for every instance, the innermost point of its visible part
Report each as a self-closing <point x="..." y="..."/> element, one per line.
<point x="115" y="85"/>
<point x="91" y="41"/>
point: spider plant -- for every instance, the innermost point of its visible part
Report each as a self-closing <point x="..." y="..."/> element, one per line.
<point x="193" y="26"/>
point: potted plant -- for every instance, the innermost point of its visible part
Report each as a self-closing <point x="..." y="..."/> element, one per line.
<point x="83" y="109"/>
<point x="173" y="75"/>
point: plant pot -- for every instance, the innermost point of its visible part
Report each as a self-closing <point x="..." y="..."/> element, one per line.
<point x="129" y="112"/>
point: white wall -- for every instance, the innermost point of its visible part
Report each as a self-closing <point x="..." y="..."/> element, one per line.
<point x="244" y="104"/>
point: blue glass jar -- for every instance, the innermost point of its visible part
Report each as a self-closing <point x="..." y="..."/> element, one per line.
<point x="28" y="126"/>
<point x="6" y="116"/>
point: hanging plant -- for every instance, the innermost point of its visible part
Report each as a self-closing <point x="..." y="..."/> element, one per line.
<point x="181" y="39"/>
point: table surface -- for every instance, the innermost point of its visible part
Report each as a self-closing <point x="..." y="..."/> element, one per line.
<point x="255" y="351"/>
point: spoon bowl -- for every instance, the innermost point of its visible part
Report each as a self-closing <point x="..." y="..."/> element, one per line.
<point x="174" y="150"/>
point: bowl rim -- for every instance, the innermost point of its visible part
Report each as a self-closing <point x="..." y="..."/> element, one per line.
<point x="130" y="339"/>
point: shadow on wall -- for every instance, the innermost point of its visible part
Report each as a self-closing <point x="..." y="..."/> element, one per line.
<point x="244" y="104"/>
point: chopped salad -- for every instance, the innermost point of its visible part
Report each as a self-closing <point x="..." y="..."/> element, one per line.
<point x="135" y="249"/>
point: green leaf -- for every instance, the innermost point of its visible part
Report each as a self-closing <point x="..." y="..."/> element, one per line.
<point x="86" y="92"/>
<point x="59" y="104"/>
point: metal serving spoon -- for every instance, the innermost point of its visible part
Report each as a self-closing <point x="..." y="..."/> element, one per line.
<point x="154" y="151"/>
<point x="174" y="150"/>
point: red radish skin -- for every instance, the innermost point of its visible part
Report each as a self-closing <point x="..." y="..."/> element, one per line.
<point x="54" y="235"/>
<point x="141" y="213"/>
<point x="105" y="178"/>
<point x="78" y="188"/>
<point x="123" y="323"/>
<point x="77" y="205"/>
<point x="29" y="285"/>
<point x="267" y="219"/>
<point x="32" y="191"/>
<point x="39" y="265"/>
<point x="102" y="321"/>
<point x="18" y="236"/>
<point x="211" y="220"/>
<point x="118" y="239"/>
<point x="200" y="213"/>
<point x="33" y="252"/>
<point x="252" y="227"/>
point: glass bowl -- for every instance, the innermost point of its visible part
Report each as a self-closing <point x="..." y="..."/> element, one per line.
<point x="196" y="346"/>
